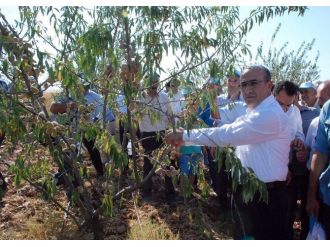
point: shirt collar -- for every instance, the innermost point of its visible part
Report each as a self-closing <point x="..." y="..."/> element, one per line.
<point x="263" y="104"/>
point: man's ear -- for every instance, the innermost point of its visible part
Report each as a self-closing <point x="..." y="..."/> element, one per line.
<point x="271" y="85"/>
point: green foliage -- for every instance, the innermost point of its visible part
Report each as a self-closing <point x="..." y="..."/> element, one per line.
<point x="203" y="184"/>
<point x="107" y="205"/>
<point x="187" y="189"/>
<point x="110" y="147"/>
<point x="20" y="170"/>
<point x="242" y="177"/>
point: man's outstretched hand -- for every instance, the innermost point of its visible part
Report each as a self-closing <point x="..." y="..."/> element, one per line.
<point x="174" y="138"/>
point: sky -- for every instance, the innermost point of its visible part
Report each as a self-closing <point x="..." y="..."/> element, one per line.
<point x="295" y="29"/>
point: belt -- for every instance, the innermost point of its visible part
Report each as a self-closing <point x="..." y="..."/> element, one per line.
<point x="276" y="184"/>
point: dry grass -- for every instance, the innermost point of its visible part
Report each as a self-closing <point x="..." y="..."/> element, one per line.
<point x="51" y="228"/>
<point x="149" y="230"/>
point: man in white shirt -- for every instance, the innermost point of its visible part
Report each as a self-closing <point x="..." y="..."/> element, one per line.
<point x="175" y="96"/>
<point x="262" y="138"/>
<point x="285" y="93"/>
<point x="156" y="117"/>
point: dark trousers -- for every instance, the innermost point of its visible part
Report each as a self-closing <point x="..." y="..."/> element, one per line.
<point x="123" y="141"/>
<point x="94" y="155"/>
<point x="324" y="218"/>
<point x="3" y="185"/>
<point x="259" y="220"/>
<point x="298" y="191"/>
<point x="212" y="164"/>
<point x="220" y="181"/>
<point x="2" y="137"/>
<point x="151" y="142"/>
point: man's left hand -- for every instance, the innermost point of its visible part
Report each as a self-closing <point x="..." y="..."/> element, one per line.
<point x="297" y="144"/>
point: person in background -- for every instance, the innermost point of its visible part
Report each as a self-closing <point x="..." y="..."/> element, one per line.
<point x="233" y="90"/>
<point x="167" y="87"/>
<point x="308" y="94"/>
<point x="175" y="96"/>
<point x="323" y="94"/>
<point x="152" y="132"/>
<point x="212" y="86"/>
<point x="60" y="106"/>
<point x="190" y="157"/>
<point x="318" y="200"/>
<point x="222" y="178"/>
<point x="207" y="115"/>
<point x="122" y="108"/>
<point x="285" y="93"/>
<point x="95" y="99"/>
<point x="262" y="141"/>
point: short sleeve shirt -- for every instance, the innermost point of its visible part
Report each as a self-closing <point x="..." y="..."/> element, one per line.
<point x="322" y="140"/>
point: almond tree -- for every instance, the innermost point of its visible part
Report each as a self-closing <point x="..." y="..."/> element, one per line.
<point x="293" y="65"/>
<point x="115" y="48"/>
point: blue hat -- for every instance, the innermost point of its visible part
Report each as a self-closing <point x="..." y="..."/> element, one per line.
<point x="307" y="85"/>
<point x="3" y="85"/>
<point x="213" y="80"/>
<point x="186" y="91"/>
<point x="235" y="73"/>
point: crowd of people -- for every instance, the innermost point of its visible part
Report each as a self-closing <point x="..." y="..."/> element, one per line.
<point x="267" y="127"/>
<point x="280" y="130"/>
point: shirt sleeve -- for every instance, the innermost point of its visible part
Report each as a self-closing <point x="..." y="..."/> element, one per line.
<point x="308" y="140"/>
<point x="230" y="112"/>
<point x="321" y="139"/>
<point x="299" y="134"/>
<point x="251" y="128"/>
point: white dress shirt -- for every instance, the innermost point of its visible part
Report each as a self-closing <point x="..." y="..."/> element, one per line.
<point x="231" y="112"/>
<point x="175" y="102"/>
<point x="223" y="100"/>
<point x="262" y="137"/>
<point x="296" y="123"/>
<point x="160" y="105"/>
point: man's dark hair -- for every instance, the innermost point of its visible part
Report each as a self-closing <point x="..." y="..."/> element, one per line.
<point x="174" y="81"/>
<point x="266" y="71"/>
<point x="290" y="88"/>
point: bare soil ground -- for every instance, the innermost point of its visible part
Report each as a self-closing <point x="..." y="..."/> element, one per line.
<point x="24" y="214"/>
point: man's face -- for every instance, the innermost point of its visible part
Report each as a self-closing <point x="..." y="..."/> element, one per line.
<point x="254" y="86"/>
<point x="322" y="95"/>
<point x="232" y="82"/>
<point x="285" y="100"/>
<point x="308" y="96"/>
<point x="173" y="88"/>
<point x="153" y="90"/>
